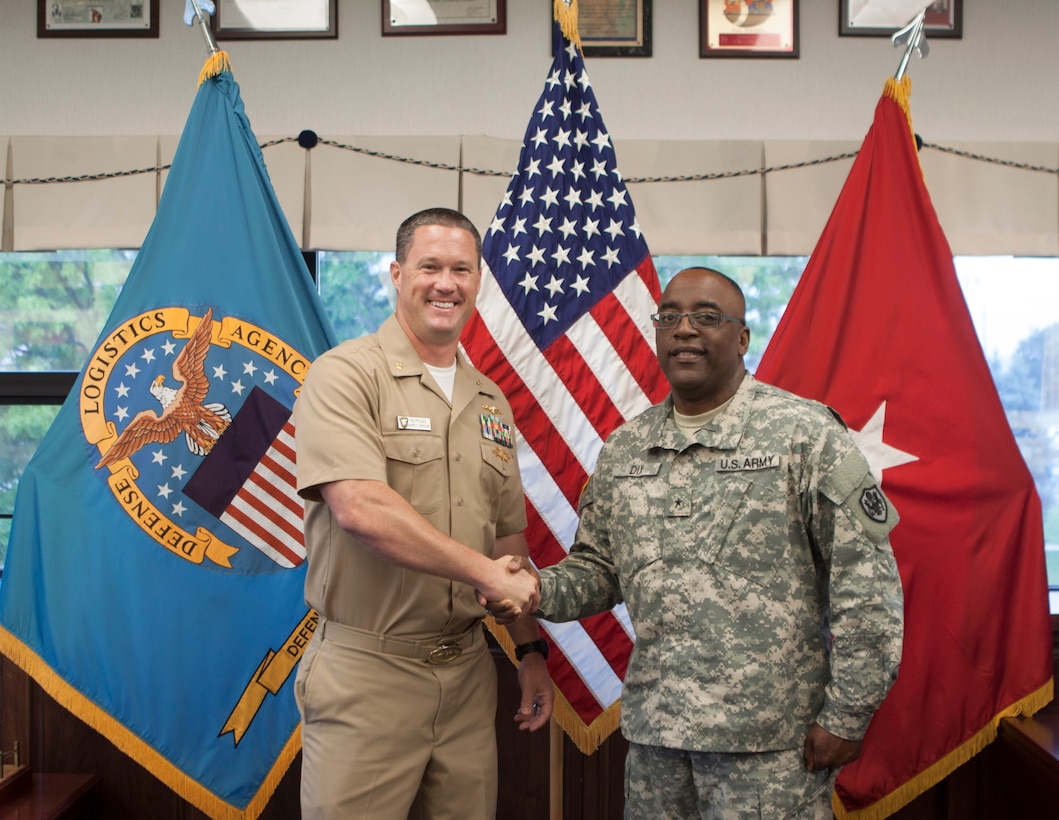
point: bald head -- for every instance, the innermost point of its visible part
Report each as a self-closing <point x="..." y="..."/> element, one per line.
<point x="700" y="273"/>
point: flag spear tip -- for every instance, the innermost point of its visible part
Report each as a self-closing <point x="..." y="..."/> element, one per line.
<point x="217" y="61"/>
<point x="913" y="39"/>
<point x="204" y="24"/>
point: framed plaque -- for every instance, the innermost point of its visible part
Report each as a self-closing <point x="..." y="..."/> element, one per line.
<point x="748" y="28"/>
<point x="275" y="19"/>
<point x="97" y="18"/>
<point x="400" y="17"/>
<point x="612" y="28"/>
<point x="944" y="18"/>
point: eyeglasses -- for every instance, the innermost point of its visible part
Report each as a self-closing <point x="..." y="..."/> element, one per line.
<point x="702" y="319"/>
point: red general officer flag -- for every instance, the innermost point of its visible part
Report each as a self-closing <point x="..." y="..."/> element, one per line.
<point x="878" y="329"/>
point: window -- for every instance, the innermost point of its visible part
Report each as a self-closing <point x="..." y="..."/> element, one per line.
<point x="356" y="290"/>
<point x="53" y="306"/>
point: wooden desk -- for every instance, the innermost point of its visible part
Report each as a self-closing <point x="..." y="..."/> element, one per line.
<point x="53" y="797"/>
<point x="1023" y="780"/>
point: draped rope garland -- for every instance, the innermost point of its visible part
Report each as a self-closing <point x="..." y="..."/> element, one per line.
<point x="707" y="177"/>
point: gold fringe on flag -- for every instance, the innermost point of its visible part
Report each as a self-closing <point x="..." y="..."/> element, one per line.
<point x="934" y="774"/>
<point x="215" y="64"/>
<point x="565" y="14"/>
<point x="130" y="744"/>
<point x="900" y="91"/>
<point x="587" y="737"/>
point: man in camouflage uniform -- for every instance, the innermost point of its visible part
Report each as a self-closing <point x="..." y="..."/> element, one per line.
<point x="745" y="533"/>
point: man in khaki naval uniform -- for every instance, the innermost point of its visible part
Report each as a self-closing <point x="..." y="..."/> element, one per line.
<point x="406" y="461"/>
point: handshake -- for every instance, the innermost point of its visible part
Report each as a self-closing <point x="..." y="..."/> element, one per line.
<point x="513" y="590"/>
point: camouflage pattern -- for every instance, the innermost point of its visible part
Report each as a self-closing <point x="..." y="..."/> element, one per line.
<point x="736" y="552"/>
<point x="673" y="784"/>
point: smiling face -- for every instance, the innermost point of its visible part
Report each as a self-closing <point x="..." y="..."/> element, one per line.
<point x="704" y="366"/>
<point x="437" y="285"/>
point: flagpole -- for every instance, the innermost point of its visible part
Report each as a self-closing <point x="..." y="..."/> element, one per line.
<point x="200" y="15"/>
<point x="555" y="772"/>
<point x="911" y="36"/>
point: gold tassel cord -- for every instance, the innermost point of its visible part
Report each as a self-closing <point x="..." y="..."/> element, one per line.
<point x="566" y="16"/>
<point x="900" y="91"/>
<point x="215" y="64"/>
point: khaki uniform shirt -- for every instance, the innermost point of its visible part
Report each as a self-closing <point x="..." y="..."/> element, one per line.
<point x="755" y="563"/>
<point x="370" y="410"/>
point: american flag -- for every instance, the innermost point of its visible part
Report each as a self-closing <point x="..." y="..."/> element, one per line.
<point x="563" y="327"/>
<point x="247" y="480"/>
<point x="267" y="510"/>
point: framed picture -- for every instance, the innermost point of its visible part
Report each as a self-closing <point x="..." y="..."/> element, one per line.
<point x="97" y="18"/>
<point x="614" y="28"/>
<point x="859" y="18"/>
<point x="400" y="17"/>
<point x="275" y="19"/>
<point x="748" y="28"/>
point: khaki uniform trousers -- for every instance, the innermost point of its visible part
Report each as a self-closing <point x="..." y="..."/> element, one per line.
<point x="390" y="737"/>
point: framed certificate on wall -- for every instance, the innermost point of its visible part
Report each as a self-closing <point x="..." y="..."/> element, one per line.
<point x="275" y="19"/>
<point x="443" y="17"/>
<point x="748" y="28"/>
<point x="97" y="18"/>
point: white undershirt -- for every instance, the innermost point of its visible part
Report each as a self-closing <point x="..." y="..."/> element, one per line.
<point x="444" y="376"/>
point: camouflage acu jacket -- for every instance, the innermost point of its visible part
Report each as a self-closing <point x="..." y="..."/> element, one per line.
<point x="755" y="564"/>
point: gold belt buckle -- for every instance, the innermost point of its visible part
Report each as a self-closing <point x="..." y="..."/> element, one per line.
<point x="444" y="653"/>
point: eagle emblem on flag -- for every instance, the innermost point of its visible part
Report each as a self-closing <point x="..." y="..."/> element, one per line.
<point x="183" y="410"/>
<point x="213" y="471"/>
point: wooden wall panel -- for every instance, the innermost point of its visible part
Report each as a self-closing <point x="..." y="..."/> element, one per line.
<point x="523" y="756"/>
<point x="53" y="740"/>
<point x="1008" y="779"/>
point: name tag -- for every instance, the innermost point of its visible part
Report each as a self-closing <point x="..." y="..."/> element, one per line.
<point x="756" y="461"/>
<point x="637" y="469"/>
<point x="412" y="423"/>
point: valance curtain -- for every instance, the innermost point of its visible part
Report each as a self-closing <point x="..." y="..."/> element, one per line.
<point x="339" y="199"/>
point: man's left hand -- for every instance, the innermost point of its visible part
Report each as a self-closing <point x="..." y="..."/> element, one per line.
<point x="823" y="750"/>
<point x="538" y="694"/>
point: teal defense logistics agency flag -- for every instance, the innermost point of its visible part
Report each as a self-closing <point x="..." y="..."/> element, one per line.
<point x="154" y="574"/>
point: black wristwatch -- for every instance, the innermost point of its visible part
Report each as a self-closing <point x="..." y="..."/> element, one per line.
<point x="539" y="645"/>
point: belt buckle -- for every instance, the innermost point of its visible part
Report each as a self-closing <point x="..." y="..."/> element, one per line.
<point x="443" y="654"/>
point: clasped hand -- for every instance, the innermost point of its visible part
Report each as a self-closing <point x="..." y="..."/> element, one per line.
<point x="514" y="592"/>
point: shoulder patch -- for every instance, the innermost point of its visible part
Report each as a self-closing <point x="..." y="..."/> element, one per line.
<point x="873" y="502"/>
